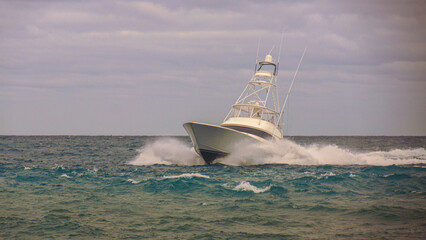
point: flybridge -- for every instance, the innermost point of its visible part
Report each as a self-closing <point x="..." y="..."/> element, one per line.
<point x="259" y="100"/>
<point x="253" y="108"/>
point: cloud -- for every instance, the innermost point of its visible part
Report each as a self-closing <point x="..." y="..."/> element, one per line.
<point x="201" y="53"/>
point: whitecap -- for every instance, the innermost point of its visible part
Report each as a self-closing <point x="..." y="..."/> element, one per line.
<point x="187" y="175"/>
<point x="93" y="171"/>
<point x="133" y="181"/>
<point x="58" y="167"/>
<point x="65" y="176"/>
<point x="389" y="175"/>
<point x="326" y="175"/>
<point x="246" y="186"/>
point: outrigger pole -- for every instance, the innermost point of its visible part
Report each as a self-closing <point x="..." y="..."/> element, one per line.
<point x="279" y="53"/>
<point x="277" y="98"/>
<point x="257" y="55"/>
<point x="291" y="86"/>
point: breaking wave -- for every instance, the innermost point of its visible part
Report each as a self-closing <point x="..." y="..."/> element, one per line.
<point x="133" y="181"/>
<point x="246" y="186"/>
<point x="171" y="151"/>
<point x="187" y="175"/>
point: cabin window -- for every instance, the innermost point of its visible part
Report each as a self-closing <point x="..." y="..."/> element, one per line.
<point x="253" y="131"/>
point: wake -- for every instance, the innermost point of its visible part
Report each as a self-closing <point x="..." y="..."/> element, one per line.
<point x="288" y="152"/>
<point x="171" y="151"/>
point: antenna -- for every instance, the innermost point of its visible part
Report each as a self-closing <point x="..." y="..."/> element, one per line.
<point x="281" y="43"/>
<point x="257" y="55"/>
<point x="271" y="49"/>
<point x="291" y="85"/>
<point x="279" y="55"/>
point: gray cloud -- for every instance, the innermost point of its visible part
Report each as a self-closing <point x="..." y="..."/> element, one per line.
<point x="144" y="67"/>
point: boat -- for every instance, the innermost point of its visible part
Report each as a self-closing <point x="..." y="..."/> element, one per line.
<point x="256" y="116"/>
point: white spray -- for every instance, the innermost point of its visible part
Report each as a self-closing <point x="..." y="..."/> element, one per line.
<point x="171" y="151"/>
<point x="168" y="151"/>
<point x="288" y="152"/>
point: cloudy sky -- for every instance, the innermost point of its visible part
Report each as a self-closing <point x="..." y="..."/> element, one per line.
<point x="145" y="67"/>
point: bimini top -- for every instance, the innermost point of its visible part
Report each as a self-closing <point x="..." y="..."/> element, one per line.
<point x="253" y="108"/>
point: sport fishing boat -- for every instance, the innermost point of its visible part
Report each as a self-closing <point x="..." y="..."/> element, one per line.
<point x="252" y="119"/>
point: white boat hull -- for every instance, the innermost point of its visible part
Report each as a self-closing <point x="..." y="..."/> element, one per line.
<point x="212" y="142"/>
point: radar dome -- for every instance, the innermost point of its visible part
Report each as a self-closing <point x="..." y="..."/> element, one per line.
<point x="268" y="58"/>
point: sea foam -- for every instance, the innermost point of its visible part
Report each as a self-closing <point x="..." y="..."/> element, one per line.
<point x="133" y="181"/>
<point x="246" y="186"/>
<point x="187" y="175"/>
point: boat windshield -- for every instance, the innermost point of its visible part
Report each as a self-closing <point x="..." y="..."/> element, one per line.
<point x="272" y="67"/>
<point x="253" y="131"/>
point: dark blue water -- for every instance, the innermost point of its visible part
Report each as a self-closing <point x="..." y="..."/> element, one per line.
<point x="60" y="187"/>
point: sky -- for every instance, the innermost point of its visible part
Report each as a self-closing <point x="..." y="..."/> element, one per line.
<point x="105" y="67"/>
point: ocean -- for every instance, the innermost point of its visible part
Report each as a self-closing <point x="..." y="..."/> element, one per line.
<point x="140" y="187"/>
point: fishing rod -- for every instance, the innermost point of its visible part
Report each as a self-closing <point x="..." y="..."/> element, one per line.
<point x="291" y="86"/>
